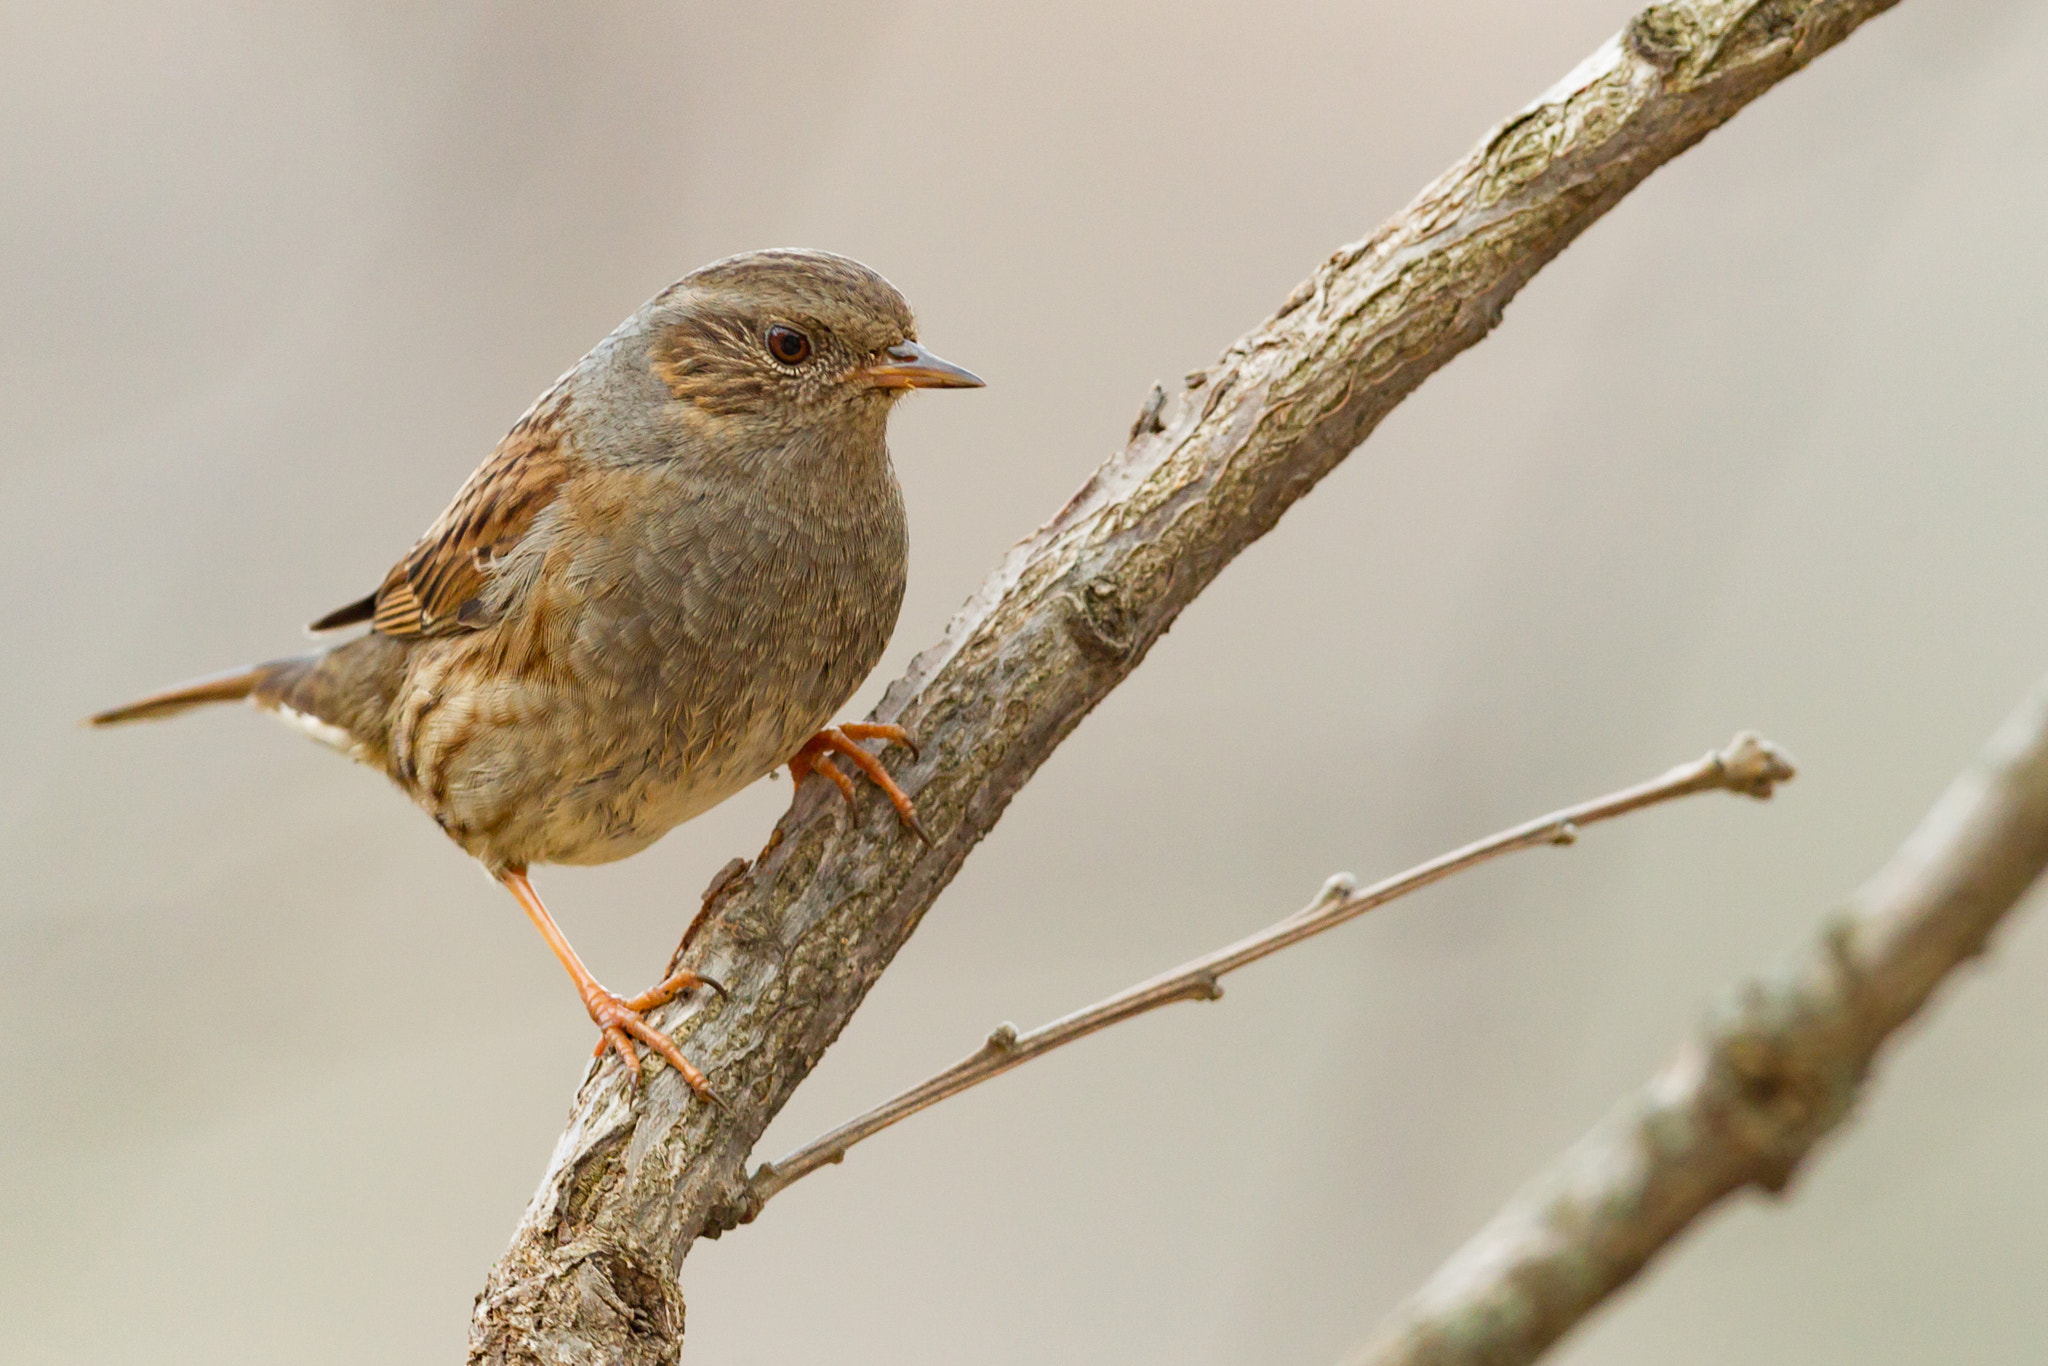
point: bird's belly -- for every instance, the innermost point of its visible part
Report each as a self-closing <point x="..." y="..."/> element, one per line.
<point x="522" y="773"/>
<point x="621" y="810"/>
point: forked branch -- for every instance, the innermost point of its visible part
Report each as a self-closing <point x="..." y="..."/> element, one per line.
<point x="1748" y="765"/>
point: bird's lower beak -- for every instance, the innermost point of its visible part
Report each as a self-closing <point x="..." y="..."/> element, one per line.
<point x="906" y="365"/>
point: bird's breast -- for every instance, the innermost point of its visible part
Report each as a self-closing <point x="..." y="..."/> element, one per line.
<point x="735" y="601"/>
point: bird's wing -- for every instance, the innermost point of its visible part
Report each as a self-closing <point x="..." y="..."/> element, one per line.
<point x="434" y="590"/>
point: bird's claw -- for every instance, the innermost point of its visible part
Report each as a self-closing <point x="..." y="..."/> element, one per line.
<point x="620" y="1022"/>
<point x="674" y="985"/>
<point x="816" y="757"/>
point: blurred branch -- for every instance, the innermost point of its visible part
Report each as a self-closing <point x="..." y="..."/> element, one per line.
<point x="803" y="934"/>
<point x="1746" y="1100"/>
<point x="1748" y="765"/>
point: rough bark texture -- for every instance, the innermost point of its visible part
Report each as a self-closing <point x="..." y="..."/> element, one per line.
<point x="801" y="936"/>
<point x="1745" y="1102"/>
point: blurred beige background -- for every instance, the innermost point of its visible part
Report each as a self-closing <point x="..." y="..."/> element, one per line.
<point x="278" y="1070"/>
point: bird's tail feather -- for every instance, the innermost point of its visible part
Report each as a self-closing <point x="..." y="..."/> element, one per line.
<point x="341" y="696"/>
<point x="227" y="687"/>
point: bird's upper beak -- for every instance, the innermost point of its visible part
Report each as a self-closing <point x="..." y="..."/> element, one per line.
<point x="906" y="365"/>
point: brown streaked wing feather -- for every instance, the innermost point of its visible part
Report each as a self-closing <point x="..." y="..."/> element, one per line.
<point x="362" y="609"/>
<point x="425" y="592"/>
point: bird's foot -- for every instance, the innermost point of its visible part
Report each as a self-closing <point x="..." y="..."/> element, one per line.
<point x="816" y="757"/>
<point x="621" y="1021"/>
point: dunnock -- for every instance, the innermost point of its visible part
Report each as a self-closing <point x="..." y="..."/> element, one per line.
<point x="679" y="563"/>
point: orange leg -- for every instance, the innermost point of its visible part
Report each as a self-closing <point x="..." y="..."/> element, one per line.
<point x="617" y="1018"/>
<point x="816" y="757"/>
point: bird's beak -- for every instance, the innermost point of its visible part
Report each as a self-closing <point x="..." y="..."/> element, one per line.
<point x="906" y="365"/>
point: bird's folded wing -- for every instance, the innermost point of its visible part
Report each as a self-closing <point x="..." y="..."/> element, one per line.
<point x="434" y="590"/>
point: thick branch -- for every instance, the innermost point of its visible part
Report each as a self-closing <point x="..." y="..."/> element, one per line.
<point x="803" y="934"/>
<point x="1748" y="764"/>
<point x="1744" y="1102"/>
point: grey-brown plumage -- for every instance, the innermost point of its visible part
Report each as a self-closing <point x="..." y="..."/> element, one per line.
<point x="663" y="582"/>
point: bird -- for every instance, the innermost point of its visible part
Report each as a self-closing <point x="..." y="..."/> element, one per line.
<point x="660" y="586"/>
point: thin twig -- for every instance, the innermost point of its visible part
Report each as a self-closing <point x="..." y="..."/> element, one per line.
<point x="1745" y="1100"/>
<point x="1748" y="764"/>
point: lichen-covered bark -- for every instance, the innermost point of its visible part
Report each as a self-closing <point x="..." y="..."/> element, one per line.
<point x="1745" y="1102"/>
<point x="802" y="934"/>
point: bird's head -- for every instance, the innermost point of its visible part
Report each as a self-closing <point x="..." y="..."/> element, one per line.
<point x="790" y="339"/>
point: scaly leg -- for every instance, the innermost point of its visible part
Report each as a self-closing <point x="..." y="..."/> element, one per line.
<point x="617" y="1017"/>
<point x="815" y="757"/>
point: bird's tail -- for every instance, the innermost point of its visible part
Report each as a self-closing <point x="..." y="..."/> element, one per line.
<point x="341" y="696"/>
<point x="227" y="687"/>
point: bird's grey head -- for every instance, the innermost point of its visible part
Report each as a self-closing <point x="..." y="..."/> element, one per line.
<point x="789" y="339"/>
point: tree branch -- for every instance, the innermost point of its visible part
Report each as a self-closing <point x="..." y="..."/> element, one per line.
<point x="1748" y="765"/>
<point x="1746" y="1100"/>
<point x="802" y="935"/>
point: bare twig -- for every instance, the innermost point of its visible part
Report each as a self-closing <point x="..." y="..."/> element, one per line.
<point x="1746" y="1100"/>
<point x="805" y="932"/>
<point x="1748" y="764"/>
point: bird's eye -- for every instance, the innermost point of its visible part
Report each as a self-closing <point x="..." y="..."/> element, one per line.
<point x="788" y="345"/>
